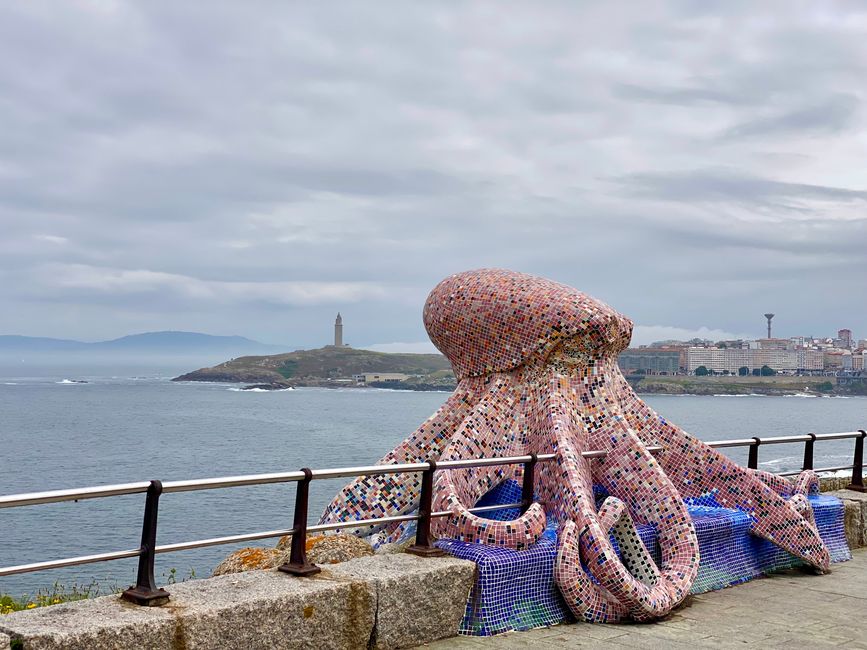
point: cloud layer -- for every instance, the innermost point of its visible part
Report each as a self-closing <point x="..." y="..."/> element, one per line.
<point x="253" y="169"/>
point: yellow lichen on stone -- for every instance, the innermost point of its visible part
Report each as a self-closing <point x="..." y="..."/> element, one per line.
<point x="248" y="559"/>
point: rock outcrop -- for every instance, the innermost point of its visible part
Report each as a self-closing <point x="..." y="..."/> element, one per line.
<point x="321" y="549"/>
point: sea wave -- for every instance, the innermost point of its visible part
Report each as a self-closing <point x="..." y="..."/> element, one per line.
<point x="739" y="395"/>
<point x="801" y="395"/>
<point x="259" y="390"/>
<point x="70" y="381"/>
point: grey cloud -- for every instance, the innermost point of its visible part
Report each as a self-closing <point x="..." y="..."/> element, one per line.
<point x="729" y="186"/>
<point x="206" y="162"/>
<point x="833" y="116"/>
<point x="685" y="96"/>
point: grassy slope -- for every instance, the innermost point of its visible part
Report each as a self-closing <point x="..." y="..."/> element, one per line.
<point x="323" y="363"/>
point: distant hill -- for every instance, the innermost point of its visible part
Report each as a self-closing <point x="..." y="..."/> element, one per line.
<point x="315" y="366"/>
<point x="155" y="342"/>
<point x="37" y="344"/>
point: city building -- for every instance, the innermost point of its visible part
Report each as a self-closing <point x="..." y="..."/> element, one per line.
<point x="845" y="338"/>
<point x="655" y="361"/>
<point x="771" y="344"/>
<point x="778" y="359"/>
<point x="833" y="360"/>
<point x="811" y="360"/>
<point x="732" y="360"/>
<point x="385" y="377"/>
<point x="718" y="359"/>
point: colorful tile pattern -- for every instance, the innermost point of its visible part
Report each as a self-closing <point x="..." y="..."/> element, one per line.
<point x="515" y="590"/>
<point x="537" y="369"/>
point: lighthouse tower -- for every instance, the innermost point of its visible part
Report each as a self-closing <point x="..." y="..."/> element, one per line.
<point x="338" y="331"/>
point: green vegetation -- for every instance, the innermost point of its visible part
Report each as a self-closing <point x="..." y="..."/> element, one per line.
<point x="743" y="371"/>
<point x="60" y="593"/>
<point x="288" y="368"/>
<point x="767" y="371"/>
<point x="701" y="371"/>
<point x="825" y="387"/>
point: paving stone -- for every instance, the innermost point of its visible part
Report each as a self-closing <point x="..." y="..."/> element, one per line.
<point x="787" y="610"/>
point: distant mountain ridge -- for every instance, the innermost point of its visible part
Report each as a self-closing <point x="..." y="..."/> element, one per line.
<point x="165" y="341"/>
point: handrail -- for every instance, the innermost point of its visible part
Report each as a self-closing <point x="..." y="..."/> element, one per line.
<point x="145" y="591"/>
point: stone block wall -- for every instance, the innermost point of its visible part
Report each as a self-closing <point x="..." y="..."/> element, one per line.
<point x="855" y="517"/>
<point x="379" y="602"/>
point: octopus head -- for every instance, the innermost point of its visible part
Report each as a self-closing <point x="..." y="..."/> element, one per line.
<point x="494" y="320"/>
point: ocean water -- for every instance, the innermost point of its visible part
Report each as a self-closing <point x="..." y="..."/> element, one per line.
<point x="55" y="434"/>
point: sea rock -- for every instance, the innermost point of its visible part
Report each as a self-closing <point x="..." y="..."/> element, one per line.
<point x="330" y="549"/>
<point x="248" y="559"/>
<point x="266" y="387"/>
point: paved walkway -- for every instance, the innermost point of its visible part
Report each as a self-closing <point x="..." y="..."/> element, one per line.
<point x="787" y="610"/>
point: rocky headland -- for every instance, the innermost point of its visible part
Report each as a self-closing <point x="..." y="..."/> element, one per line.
<point x="334" y="367"/>
<point x="330" y="367"/>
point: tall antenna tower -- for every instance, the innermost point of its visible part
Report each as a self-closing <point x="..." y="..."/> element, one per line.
<point x="769" y="317"/>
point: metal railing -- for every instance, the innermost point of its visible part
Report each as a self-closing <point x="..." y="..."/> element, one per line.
<point x="146" y="592"/>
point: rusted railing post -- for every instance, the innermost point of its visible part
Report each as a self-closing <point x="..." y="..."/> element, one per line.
<point x="753" y="459"/>
<point x="298" y="564"/>
<point x="529" y="480"/>
<point x="857" y="483"/>
<point x="145" y="592"/>
<point x="808" y="452"/>
<point x="422" y="544"/>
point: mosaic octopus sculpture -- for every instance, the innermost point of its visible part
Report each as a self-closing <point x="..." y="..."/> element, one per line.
<point x="536" y="363"/>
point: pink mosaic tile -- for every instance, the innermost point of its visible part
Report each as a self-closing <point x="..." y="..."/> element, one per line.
<point x="537" y="368"/>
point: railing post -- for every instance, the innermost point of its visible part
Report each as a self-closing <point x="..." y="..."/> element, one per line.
<point x="808" y="452"/>
<point x="529" y="480"/>
<point x="145" y="592"/>
<point x="298" y="564"/>
<point x="753" y="459"/>
<point x="422" y="544"/>
<point x="857" y="483"/>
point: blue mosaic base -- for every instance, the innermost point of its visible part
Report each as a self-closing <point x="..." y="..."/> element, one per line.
<point x="515" y="590"/>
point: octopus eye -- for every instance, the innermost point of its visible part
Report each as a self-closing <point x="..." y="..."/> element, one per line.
<point x="574" y="353"/>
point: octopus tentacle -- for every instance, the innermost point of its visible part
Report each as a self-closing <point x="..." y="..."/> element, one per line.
<point x="628" y="471"/>
<point x="396" y="494"/>
<point x="486" y="432"/>
<point x="710" y="472"/>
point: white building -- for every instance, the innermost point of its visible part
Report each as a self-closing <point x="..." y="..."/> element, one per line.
<point x="387" y="377"/>
<point x="731" y="360"/>
<point x="718" y="359"/>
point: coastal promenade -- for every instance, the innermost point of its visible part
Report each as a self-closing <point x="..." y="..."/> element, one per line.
<point x="787" y="610"/>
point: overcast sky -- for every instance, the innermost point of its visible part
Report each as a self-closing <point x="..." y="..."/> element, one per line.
<point x="252" y="168"/>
